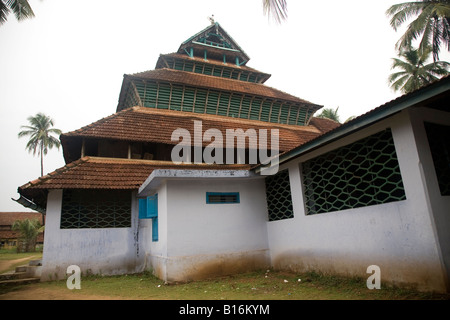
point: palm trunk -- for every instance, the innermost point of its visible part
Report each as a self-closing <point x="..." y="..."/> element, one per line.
<point x="42" y="160"/>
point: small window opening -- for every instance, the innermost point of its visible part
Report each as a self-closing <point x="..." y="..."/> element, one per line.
<point x="222" y="197"/>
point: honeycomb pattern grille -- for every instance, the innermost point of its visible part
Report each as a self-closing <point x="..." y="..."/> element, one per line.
<point x="95" y="209"/>
<point x="361" y="174"/>
<point x="439" y="141"/>
<point x="278" y="196"/>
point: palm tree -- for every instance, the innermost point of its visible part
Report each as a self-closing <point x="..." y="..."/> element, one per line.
<point x="275" y="8"/>
<point x="21" y="9"/>
<point x="330" y="113"/>
<point x="432" y="23"/>
<point x="29" y="230"/>
<point x="415" y="73"/>
<point x="40" y="132"/>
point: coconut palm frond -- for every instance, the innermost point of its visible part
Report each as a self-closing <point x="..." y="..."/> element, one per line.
<point x="431" y="24"/>
<point x="330" y="113"/>
<point x="401" y="12"/>
<point x="414" y="72"/>
<point x="21" y="9"/>
<point x="276" y="9"/>
<point x="4" y="11"/>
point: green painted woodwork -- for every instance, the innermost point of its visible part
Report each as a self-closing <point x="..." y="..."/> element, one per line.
<point x="169" y="96"/>
<point x="95" y="209"/>
<point x="363" y="173"/>
<point x="203" y="67"/>
<point x="278" y="196"/>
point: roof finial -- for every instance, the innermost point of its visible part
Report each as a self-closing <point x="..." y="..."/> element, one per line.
<point x="211" y="19"/>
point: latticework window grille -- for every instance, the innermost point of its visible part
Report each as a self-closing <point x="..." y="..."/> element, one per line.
<point x="95" y="209"/>
<point x="278" y="196"/>
<point x="439" y="141"/>
<point x="363" y="173"/>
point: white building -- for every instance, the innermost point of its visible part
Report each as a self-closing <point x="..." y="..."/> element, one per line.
<point x="373" y="191"/>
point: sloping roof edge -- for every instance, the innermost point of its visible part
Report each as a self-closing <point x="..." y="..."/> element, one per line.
<point x="386" y="110"/>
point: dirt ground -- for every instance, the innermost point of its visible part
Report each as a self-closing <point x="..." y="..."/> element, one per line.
<point x="6" y="264"/>
<point x="35" y="292"/>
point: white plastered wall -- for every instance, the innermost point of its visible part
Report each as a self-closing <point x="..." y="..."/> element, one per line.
<point x="105" y="251"/>
<point x="439" y="206"/>
<point x="199" y="240"/>
<point x="399" y="236"/>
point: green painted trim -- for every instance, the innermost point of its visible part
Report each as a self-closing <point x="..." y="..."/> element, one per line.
<point x="190" y="53"/>
<point x="235" y="197"/>
<point x="213" y="46"/>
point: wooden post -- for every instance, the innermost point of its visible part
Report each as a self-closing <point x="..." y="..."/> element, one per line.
<point x="82" y="148"/>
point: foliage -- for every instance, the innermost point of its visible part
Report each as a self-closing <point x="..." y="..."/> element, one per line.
<point x="275" y="8"/>
<point x="20" y="8"/>
<point x="29" y="230"/>
<point x="40" y="132"/>
<point x="414" y="71"/>
<point x="432" y="24"/>
<point x="330" y="113"/>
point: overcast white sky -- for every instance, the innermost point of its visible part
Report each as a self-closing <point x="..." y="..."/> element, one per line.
<point x="69" y="61"/>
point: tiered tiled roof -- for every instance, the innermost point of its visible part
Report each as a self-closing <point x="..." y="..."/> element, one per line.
<point x="156" y="125"/>
<point x="162" y="63"/>
<point x="211" y="82"/>
<point x="180" y="90"/>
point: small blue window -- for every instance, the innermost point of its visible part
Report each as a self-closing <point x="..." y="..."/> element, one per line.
<point x="148" y="209"/>
<point x="222" y="197"/>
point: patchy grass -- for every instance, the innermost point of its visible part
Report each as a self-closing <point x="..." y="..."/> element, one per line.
<point x="10" y="259"/>
<point x="263" y="285"/>
<point x="11" y="254"/>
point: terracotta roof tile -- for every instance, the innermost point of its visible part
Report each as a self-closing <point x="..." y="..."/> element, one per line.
<point x="156" y="125"/>
<point x="205" y="81"/>
<point x="8" y="218"/>
<point x="160" y="63"/>
<point x="109" y="173"/>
